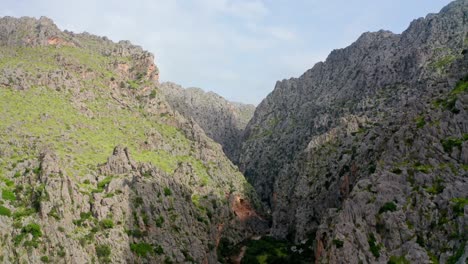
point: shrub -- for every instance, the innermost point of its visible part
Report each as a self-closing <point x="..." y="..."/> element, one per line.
<point x="374" y="247"/>
<point x="158" y="250"/>
<point x="388" y="207"/>
<point x="45" y="259"/>
<point x="103" y="251"/>
<point x="457" y="255"/>
<point x="420" y="122"/>
<point x="338" y="243"/>
<point x="167" y="191"/>
<point x="153" y="94"/>
<point x="107" y="223"/>
<point x="449" y="143"/>
<point x="33" y="229"/>
<point x="437" y="187"/>
<point x="459" y="205"/>
<point x="159" y="221"/>
<point x="8" y="195"/>
<point x="141" y="249"/>
<point x="104" y="183"/>
<point x="5" y="211"/>
<point x="398" y="260"/>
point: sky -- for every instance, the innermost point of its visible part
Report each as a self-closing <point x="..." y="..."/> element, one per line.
<point x="236" y="48"/>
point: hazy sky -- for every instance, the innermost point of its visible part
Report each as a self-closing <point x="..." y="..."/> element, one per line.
<point x="236" y="48"/>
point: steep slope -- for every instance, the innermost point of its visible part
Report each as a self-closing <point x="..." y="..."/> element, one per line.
<point x="94" y="164"/>
<point x="369" y="147"/>
<point x="223" y="121"/>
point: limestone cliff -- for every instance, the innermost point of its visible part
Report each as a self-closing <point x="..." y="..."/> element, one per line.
<point x="95" y="166"/>
<point x="366" y="153"/>
<point x="223" y="121"/>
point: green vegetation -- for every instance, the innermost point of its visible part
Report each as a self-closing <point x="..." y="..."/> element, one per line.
<point x="458" y="254"/>
<point x="422" y="167"/>
<point x="374" y="247"/>
<point x="266" y="250"/>
<point x="443" y="62"/>
<point x="449" y="143"/>
<point x="167" y="191"/>
<point x="45" y="259"/>
<point x="159" y="221"/>
<point x="33" y="229"/>
<point x="8" y="195"/>
<point x="388" y="207"/>
<point x="459" y="205"/>
<point x="449" y="102"/>
<point x="103" y="252"/>
<point x="437" y="187"/>
<point x="5" y="211"/>
<point x="102" y="184"/>
<point x="107" y="223"/>
<point x="420" y="122"/>
<point x="338" y="243"/>
<point x="83" y="217"/>
<point x="398" y="260"/>
<point x="270" y="250"/>
<point x="142" y="249"/>
<point x="90" y="139"/>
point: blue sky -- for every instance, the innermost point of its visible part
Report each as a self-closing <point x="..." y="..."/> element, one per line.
<point x="236" y="48"/>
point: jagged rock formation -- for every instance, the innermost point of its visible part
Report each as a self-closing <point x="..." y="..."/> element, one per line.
<point x="95" y="166"/>
<point x="223" y="121"/>
<point x="366" y="153"/>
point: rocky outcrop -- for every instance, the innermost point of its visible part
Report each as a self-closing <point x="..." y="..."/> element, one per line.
<point x="356" y="154"/>
<point x="221" y="120"/>
<point x="97" y="167"/>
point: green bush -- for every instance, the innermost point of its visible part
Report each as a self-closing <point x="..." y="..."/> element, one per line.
<point x="107" y="223"/>
<point x="159" y="221"/>
<point x="102" y="184"/>
<point x="153" y="94"/>
<point x="142" y="249"/>
<point x="103" y="251"/>
<point x="4" y="211"/>
<point x="459" y="205"/>
<point x="437" y="187"/>
<point x="457" y="255"/>
<point x="388" y="207"/>
<point x="338" y="243"/>
<point x="158" y="250"/>
<point x="167" y="191"/>
<point x="8" y="195"/>
<point x="45" y="259"/>
<point x="449" y="143"/>
<point x="420" y="122"/>
<point x="398" y="260"/>
<point x="33" y="229"/>
<point x="374" y="247"/>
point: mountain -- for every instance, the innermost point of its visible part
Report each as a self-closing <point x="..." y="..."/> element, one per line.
<point x="223" y="121"/>
<point x="365" y="156"/>
<point x="95" y="165"/>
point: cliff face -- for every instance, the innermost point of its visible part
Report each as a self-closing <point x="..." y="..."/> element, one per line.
<point x="96" y="166"/>
<point x="366" y="153"/>
<point x="223" y="121"/>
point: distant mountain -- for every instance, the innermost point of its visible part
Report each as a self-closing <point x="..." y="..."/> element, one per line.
<point x="364" y="157"/>
<point x="221" y="120"/>
<point x="95" y="166"/>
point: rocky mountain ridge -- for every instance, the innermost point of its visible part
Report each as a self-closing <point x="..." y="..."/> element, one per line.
<point x="97" y="167"/>
<point x="365" y="154"/>
<point x="223" y="121"/>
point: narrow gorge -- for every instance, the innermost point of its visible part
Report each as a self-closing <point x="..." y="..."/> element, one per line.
<point x="362" y="159"/>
